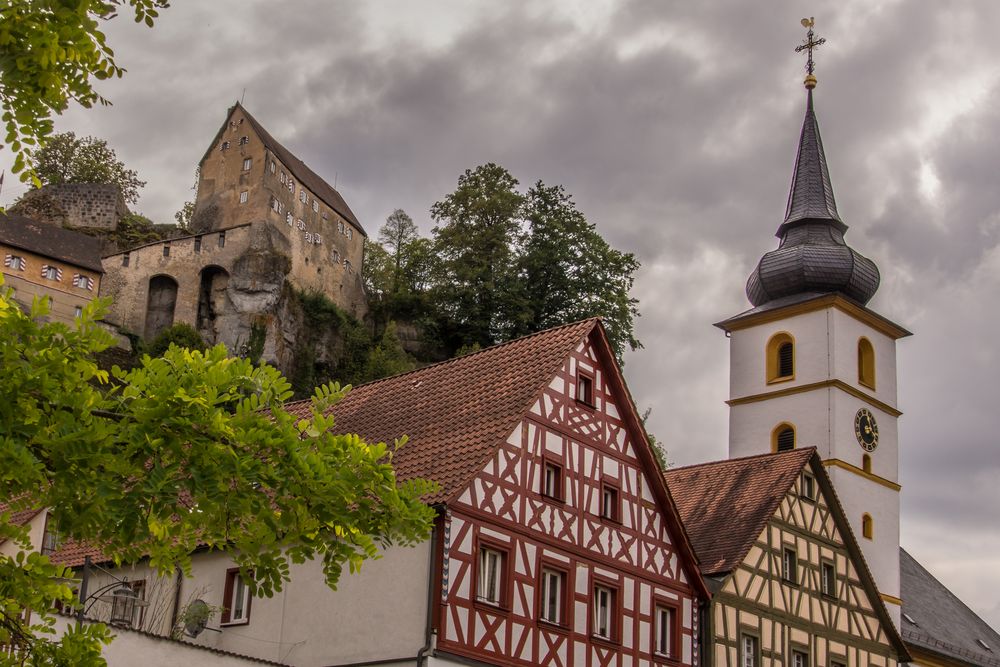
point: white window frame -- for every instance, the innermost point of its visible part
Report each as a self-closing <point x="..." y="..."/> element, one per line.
<point x="748" y="651"/>
<point x="244" y="196"/>
<point x="551" y="600"/>
<point x="303" y="196"/>
<point x="247" y="163"/>
<point x="800" y="659"/>
<point x="238" y="603"/>
<point x="665" y="619"/>
<point x="315" y="206"/>
<point x="604" y="603"/>
<point x="489" y="585"/>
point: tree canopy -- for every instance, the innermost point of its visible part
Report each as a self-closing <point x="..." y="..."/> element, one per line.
<point x="190" y="449"/>
<point x="68" y="159"/>
<point x="502" y="263"/>
<point x="50" y="53"/>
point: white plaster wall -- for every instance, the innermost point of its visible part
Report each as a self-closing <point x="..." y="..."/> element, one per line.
<point x="751" y="424"/>
<point x="133" y="648"/>
<point x="36" y="529"/>
<point x="309" y="624"/>
<point x="846" y="333"/>
<point x="858" y="496"/>
<point x="748" y="371"/>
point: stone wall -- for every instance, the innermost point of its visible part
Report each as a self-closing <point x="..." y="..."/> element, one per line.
<point x="92" y="205"/>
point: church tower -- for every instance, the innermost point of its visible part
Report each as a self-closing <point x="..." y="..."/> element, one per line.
<point x="811" y="365"/>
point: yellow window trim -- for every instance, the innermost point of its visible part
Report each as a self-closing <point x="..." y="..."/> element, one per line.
<point x="778" y="429"/>
<point x="772" y="363"/>
<point x="837" y="463"/>
<point x="838" y="384"/>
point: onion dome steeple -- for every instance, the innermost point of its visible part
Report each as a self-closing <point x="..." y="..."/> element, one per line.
<point x="812" y="256"/>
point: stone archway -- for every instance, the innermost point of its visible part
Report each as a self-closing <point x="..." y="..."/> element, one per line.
<point x="211" y="301"/>
<point x="160" y="305"/>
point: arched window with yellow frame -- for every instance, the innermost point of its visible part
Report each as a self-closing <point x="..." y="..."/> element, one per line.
<point x="867" y="526"/>
<point x="783" y="437"/>
<point x="866" y="363"/>
<point x="780" y="357"/>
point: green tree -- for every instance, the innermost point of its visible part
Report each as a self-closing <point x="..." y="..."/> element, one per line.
<point x="50" y="53"/>
<point x="388" y="356"/>
<point x="180" y="334"/>
<point x="193" y="448"/>
<point x="67" y="159"/>
<point x="396" y="236"/>
<point x="183" y="216"/>
<point x="475" y="242"/>
<point x="568" y="272"/>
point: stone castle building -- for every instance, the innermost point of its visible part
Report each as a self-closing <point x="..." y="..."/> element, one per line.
<point x="264" y="225"/>
<point x="88" y="205"/>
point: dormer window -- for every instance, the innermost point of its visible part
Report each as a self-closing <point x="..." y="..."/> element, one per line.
<point x="780" y="358"/>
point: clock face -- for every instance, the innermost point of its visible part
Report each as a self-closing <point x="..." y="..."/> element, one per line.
<point x="866" y="429"/>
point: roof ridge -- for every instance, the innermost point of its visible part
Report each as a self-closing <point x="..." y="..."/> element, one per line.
<point x="464" y="357"/>
<point x="810" y="449"/>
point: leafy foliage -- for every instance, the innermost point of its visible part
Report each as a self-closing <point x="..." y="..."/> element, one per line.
<point x="181" y="334"/>
<point x="388" y="357"/>
<point x="66" y="159"/>
<point x="190" y="449"/>
<point x="501" y="264"/>
<point x="51" y="51"/>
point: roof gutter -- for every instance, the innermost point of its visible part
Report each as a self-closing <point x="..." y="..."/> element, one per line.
<point x="428" y="627"/>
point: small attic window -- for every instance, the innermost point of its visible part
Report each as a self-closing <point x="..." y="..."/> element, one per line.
<point x="984" y="645"/>
<point x="585" y="389"/>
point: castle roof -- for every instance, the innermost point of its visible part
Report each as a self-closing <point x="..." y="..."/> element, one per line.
<point x="299" y="169"/>
<point x="65" y="245"/>
<point x="812" y="256"/>
<point x="935" y="620"/>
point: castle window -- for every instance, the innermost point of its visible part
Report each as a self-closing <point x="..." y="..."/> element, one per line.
<point x="790" y="566"/>
<point x="125" y="259"/>
<point x="83" y="282"/>
<point x="347" y="265"/>
<point x="866" y="463"/>
<point x="317" y="239"/>
<point x="335" y="256"/>
<point x="800" y="659"/>
<point x="222" y="239"/>
<point x="275" y="205"/>
<point x="77" y="311"/>
<point x="326" y="216"/>
<point x="783" y="438"/>
<point x="303" y="196"/>
<point x="551" y="601"/>
<point x="15" y="262"/>
<point x="340" y="227"/>
<point x="166" y="250"/>
<point x="244" y="197"/>
<point x="197" y="244"/>
<point x="350" y="233"/>
<point x="780" y="358"/>
<point x="270" y="167"/>
<point x="315" y="206"/>
<point x="866" y="363"/>
<point x="50" y="272"/>
<point x="246" y="163"/>
<point x="301" y="225"/>
<point x="490" y="583"/>
<point x="281" y="177"/>
<point x="867" y="527"/>
<point x="828" y="579"/>
<point x="291" y="184"/>
<point x="224" y="146"/>
<point x="244" y="140"/>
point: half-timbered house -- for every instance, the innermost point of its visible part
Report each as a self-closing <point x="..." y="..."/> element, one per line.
<point x="791" y="586"/>
<point x="557" y="541"/>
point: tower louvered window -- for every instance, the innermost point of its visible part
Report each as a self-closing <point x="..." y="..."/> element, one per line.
<point x="785" y="367"/>
<point x="786" y="439"/>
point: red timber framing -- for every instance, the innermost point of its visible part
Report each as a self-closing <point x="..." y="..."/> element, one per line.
<point x="640" y="554"/>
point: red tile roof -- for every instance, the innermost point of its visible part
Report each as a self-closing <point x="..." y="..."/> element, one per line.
<point x="458" y="411"/>
<point x="18" y="517"/>
<point x="726" y="504"/>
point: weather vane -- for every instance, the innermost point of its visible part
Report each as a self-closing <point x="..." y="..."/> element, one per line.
<point x="808" y="46"/>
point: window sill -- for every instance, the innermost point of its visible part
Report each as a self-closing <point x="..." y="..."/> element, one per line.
<point x="660" y="659"/>
<point x="555" y="500"/>
<point x="606" y="641"/>
<point x="790" y="582"/>
<point x="555" y="627"/>
<point x="243" y="621"/>
<point x="494" y="607"/>
<point x="585" y="405"/>
<point x="779" y="380"/>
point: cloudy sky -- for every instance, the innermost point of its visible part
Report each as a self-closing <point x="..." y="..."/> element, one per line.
<point x="674" y="125"/>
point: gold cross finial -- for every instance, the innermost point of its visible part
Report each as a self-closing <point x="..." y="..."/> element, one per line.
<point x="808" y="46"/>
